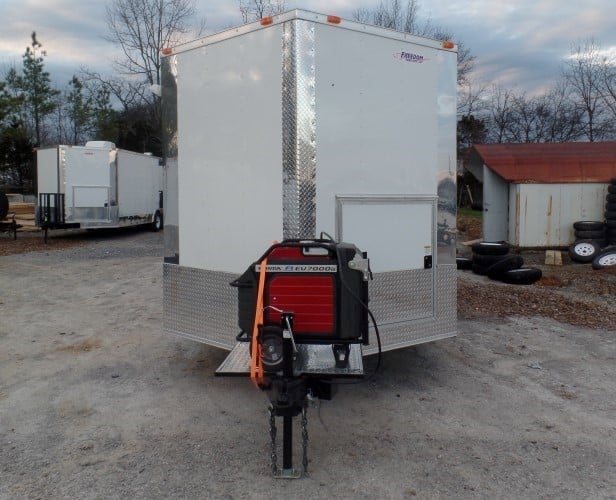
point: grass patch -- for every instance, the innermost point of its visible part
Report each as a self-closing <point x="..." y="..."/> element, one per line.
<point x="469" y="212"/>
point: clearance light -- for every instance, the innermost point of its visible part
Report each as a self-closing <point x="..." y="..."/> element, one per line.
<point x="166" y="51"/>
<point x="448" y="45"/>
<point x="267" y="20"/>
<point x="333" y="19"/>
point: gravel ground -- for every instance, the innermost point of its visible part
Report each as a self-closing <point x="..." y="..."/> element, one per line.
<point x="96" y="402"/>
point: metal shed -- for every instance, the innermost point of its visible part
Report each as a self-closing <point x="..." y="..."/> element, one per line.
<point x="532" y="193"/>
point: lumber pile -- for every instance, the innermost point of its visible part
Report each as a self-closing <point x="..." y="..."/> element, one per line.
<point x="24" y="215"/>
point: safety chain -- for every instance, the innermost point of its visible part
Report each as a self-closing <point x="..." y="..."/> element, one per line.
<point x="305" y="436"/>
<point x="274" y="456"/>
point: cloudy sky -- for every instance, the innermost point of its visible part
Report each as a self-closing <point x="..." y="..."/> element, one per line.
<point x="518" y="43"/>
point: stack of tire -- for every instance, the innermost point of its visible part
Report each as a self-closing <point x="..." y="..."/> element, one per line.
<point x="607" y="256"/>
<point x="596" y="240"/>
<point x="493" y="259"/>
<point x="590" y="239"/>
<point x="610" y="213"/>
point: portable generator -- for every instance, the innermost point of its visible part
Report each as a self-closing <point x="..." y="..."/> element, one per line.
<point x="317" y="289"/>
<point x="303" y="311"/>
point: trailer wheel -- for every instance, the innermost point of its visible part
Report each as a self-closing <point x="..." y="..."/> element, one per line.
<point x="584" y="251"/>
<point x="611" y="188"/>
<point x="157" y="222"/>
<point x="490" y="248"/>
<point x="522" y="276"/>
<point x="607" y="258"/>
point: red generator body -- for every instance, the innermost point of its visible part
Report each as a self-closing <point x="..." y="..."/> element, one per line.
<point x="321" y="284"/>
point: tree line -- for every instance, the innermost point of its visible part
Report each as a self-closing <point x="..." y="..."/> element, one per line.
<point x="580" y="106"/>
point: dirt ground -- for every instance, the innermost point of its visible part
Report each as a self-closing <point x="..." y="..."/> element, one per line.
<point x="96" y="402"/>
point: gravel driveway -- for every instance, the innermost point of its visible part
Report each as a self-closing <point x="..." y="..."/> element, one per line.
<point x="96" y="402"/>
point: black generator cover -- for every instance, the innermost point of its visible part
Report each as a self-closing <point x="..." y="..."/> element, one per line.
<point x="312" y="280"/>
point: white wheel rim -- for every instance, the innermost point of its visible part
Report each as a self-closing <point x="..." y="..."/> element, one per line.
<point x="608" y="260"/>
<point x="584" y="249"/>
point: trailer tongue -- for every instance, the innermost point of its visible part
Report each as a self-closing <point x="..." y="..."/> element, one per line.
<point x="302" y="314"/>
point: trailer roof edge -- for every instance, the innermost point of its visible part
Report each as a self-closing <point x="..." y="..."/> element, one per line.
<point x="305" y="15"/>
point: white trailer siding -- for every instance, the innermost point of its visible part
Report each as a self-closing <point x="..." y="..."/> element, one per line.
<point x="230" y="151"/>
<point x="47" y="170"/>
<point x="368" y="135"/>
<point x="139" y="182"/>
<point x="303" y="126"/>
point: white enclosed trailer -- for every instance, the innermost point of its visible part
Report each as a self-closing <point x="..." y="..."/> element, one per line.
<point x="98" y="186"/>
<point x="303" y="124"/>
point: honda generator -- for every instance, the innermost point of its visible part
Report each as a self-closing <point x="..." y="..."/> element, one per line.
<point x="316" y="289"/>
<point x="303" y="309"/>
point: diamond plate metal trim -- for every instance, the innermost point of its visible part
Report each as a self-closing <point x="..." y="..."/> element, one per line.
<point x="442" y="324"/>
<point x="299" y="130"/>
<point x="400" y="296"/>
<point x="311" y="360"/>
<point x="200" y="305"/>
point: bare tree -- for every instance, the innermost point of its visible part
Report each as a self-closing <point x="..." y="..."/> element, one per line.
<point x="404" y="16"/>
<point x="142" y="28"/>
<point x="252" y="10"/>
<point x="582" y="72"/>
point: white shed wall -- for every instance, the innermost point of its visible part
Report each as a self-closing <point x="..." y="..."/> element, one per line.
<point x="542" y="215"/>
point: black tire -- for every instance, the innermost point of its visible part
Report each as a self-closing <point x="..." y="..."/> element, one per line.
<point x="487" y="260"/>
<point x="605" y="258"/>
<point x="509" y="263"/>
<point x="610" y="224"/>
<point x="588" y="225"/>
<point x="610" y="198"/>
<point x="611" y="188"/>
<point x="522" y="276"/>
<point x="477" y="269"/>
<point x="611" y="234"/>
<point x="590" y="235"/>
<point x="584" y="250"/>
<point x="490" y="248"/>
<point x="157" y="222"/>
<point x="610" y="207"/>
<point x="610" y="214"/>
<point x="613" y="180"/>
<point x="4" y="206"/>
<point x="464" y="263"/>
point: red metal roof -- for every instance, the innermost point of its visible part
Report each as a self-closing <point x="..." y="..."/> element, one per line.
<point x="550" y="162"/>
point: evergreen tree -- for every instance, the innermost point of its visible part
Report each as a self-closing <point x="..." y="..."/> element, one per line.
<point x="33" y="86"/>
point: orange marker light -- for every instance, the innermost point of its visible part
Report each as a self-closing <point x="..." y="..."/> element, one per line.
<point x="448" y="45"/>
<point x="166" y="51"/>
<point x="333" y="19"/>
<point x="267" y="20"/>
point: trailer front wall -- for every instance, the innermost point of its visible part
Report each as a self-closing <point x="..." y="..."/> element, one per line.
<point x="47" y="170"/>
<point x="280" y="135"/>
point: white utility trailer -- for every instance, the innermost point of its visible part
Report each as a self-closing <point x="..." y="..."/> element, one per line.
<point x="292" y="129"/>
<point x="98" y="186"/>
